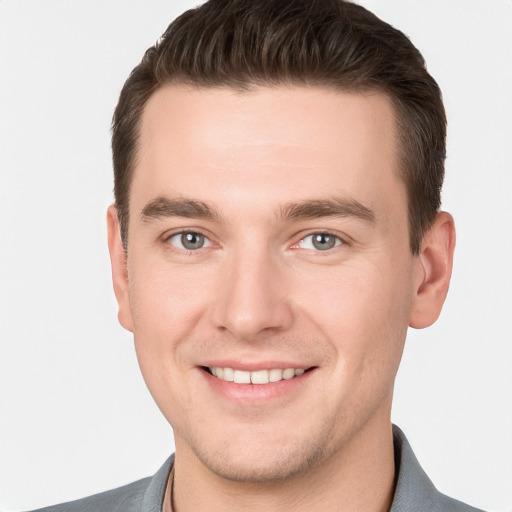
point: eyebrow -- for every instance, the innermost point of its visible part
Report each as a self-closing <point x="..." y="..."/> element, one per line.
<point x="163" y="207"/>
<point x="334" y="207"/>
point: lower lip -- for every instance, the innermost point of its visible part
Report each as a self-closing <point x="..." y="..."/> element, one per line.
<point x="256" y="393"/>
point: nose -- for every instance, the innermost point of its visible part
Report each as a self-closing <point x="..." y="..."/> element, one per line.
<point x="252" y="299"/>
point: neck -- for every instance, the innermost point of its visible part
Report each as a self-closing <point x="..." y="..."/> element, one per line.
<point x="358" y="477"/>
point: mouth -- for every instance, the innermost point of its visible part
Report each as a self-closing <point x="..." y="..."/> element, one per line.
<point x="259" y="377"/>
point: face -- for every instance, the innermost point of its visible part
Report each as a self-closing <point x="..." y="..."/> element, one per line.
<point x="269" y="280"/>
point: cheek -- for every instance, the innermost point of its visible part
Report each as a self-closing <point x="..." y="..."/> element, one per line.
<point x="362" y="309"/>
<point x="165" y="304"/>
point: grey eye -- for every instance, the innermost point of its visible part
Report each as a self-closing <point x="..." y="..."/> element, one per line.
<point x="192" y="240"/>
<point x="320" y="241"/>
<point x="189" y="241"/>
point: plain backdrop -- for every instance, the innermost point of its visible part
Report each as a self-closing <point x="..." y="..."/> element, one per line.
<point x="75" y="415"/>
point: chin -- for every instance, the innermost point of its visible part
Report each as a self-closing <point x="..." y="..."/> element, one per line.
<point x="262" y="464"/>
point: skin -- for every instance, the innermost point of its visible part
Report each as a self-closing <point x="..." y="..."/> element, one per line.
<point x="260" y="294"/>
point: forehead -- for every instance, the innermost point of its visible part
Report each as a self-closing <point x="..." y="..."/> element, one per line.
<point x="280" y="143"/>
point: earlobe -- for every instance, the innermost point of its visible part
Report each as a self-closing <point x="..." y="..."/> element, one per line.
<point x="119" y="268"/>
<point x="435" y="263"/>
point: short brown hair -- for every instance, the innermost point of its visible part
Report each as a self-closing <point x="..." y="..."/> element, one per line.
<point x="333" y="43"/>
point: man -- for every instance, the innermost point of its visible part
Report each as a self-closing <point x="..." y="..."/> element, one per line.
<point x="276" y="229"/>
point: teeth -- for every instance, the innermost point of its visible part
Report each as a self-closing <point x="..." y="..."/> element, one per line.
<point x="260" y="377"/>
<point x="241" y="377"/>
<point x="275" y="375"/>
<point x="257" y="377"/>
<point x="288" y="373"/>
<point x="228" y="374"/>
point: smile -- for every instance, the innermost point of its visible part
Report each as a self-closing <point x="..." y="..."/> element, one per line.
<point x="256" y="377"/>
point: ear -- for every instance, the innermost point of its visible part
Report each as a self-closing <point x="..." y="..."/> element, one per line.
<point x="434" y="272"/>
<point x="119" y="268"/>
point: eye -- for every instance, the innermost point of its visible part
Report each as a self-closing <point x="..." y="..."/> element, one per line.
<point x="320" y="242"/>
<point x="189" y="241"/>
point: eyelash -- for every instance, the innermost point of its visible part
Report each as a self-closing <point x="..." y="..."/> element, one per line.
<point x="339" y="241"/>
<point x="184" y="250"/>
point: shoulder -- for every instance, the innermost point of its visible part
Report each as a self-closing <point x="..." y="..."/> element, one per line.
<point x="445" y="503"/>
<point x="414" y="490"/>
<point x="145" y="495"/>
<point x="126" y="498"/>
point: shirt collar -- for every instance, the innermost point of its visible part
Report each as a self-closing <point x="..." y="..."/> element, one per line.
<point x="412" y="484"/>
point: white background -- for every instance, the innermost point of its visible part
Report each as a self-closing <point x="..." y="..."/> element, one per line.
<point x="75" y="415"/>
